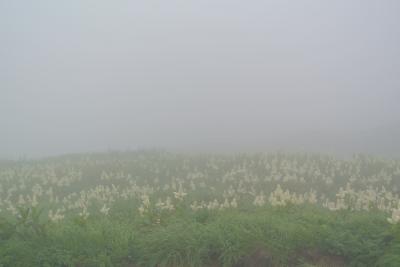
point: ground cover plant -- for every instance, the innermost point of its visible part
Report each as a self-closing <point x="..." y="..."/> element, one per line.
<point x="154" y="208"/>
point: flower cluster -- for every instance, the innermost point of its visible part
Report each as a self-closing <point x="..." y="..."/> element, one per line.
<point x="160" y="182"/>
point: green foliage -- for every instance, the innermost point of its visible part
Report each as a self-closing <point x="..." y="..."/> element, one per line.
<point x="218" y="239"/>
<point x="291" y="235"/>
<point x="28" y="222"/>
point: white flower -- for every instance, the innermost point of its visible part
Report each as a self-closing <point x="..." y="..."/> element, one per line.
<point x="56" y="217"/>
<point x="105" y="209"/>
<point x="225" y="205"/>
<point x="180" y="194"/>
<point x="145" y="200"/>
<point x="234" y="203"/>
<point x="259" y="200"/>
<point x="142" y="210"/>
<point x="395" y="217"/>
<point x="194" y="206"/>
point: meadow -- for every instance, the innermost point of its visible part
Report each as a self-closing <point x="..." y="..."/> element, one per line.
<point x="155" y="208"/>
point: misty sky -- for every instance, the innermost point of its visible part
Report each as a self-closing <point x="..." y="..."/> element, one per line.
<point x="80" y="76"/>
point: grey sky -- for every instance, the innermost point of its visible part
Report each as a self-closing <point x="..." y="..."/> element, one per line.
<point x="92" y="75"/>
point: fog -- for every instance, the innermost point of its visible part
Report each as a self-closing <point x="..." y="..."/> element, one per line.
<point x="82" y="76"/>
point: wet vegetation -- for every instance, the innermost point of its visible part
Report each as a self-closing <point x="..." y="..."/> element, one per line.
<point x="153" y="208"/>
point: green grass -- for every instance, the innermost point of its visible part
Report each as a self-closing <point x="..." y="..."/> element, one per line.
<point x="291" y="236"/>
<point x="238" y="235"/>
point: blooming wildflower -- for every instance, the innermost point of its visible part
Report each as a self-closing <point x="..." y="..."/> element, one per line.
<point x="84" y="213"/>
<point x="105" y="209"/>
<point x="180" y="194"/>
<point x="194" y="206"/>
<point x="212" y="205"/>
<point x="145" y="200"/>
<point x="21" y="200"/>
<point x="55" y="217"/>
<point x="259" y="201"/>
<point x="234" y="203"/>
<point x="395" y="217"/>
<point x="225" y="205"/>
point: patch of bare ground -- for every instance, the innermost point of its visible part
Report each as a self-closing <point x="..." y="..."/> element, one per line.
<point x="258" y="258"/>
<point x="314" y="257"/>
<point x="261" y="257"/>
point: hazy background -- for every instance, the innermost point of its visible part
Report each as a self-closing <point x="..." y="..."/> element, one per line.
<point x="204" y="75"/>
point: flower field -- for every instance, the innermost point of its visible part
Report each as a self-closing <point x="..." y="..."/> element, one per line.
<point x="153" y="208"/>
